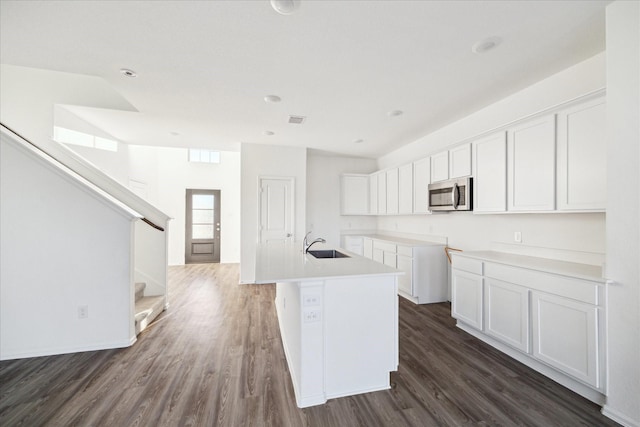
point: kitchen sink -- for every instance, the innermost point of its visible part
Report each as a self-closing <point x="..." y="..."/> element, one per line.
<point x="328" y="253"/>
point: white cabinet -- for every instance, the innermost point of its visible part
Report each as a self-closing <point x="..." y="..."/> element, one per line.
<point x="460" y="161"/>
<point x="373" y="194"/>
<point x="382" y="193"/>
<point x="531" y="165"/>
<point x="553" y="322"/>
<point x="466" y="297"/>
<point x="565" y="336"/>
<point x="367" y="247"/>
<point x="582" y="153"/>
<point x="354" y="194"/>
<point x="392" y="191"/>
<point x="354" y="244"/>
<point x="490" y="173"/>
<point x="405" y="189"/>
<point x="440" y="167"/>
<point x="424" y="265"/>
<point x="506" y="313"/>
<point x="421" y="181"/>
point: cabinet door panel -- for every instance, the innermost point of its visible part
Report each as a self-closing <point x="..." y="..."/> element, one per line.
<point x="367" y="247"/>
<point x="405" y="189"/>
<point x="421" y="181"/>
<point x="460" y="161"/>
<point x="389" y="258"/>
<point x="532" y="165"/>
<point x="392" y="191"/>
<point x="565" y="336"/>
<point x="440" y="167"/>
<point x="382" y="193"/>
<point x="466" y="298"/>
<point x="490" y="174"/>
<point x="582" y="153"/>
<point x="373" y="194"/>
<point x="506" y="315"/>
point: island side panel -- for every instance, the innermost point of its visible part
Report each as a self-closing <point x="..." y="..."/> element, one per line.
<point x="301" y="329"/>
<point x="361" y="334"/>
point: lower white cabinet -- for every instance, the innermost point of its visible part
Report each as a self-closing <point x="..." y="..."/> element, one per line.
<point x="553" y="322"/>
<point x="506" y="314"/>
<point x="354" y="244"/>
<point x="466" y="297"/>
<point x="565" y="336"/>
<point x="424" y="265"/>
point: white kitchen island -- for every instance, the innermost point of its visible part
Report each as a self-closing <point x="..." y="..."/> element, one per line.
<point x="338" y="319"/>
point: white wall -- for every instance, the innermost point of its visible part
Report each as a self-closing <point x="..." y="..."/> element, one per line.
<point x="164" y="174"/>
<point x="268" y="160"/>
<point x="323" y="197"/>
<point x="176" y="175"/>
<point x="623" y="212"/>
<point x="571" y="237"/>
<point x="62" y="247"/>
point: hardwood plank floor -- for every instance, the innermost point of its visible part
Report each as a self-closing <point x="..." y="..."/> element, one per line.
<point x="215" y="358"/>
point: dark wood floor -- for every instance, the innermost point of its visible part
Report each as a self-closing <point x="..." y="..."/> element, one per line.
<point x="215" y="358"/>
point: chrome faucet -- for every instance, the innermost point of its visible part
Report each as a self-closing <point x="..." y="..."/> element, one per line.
<point x="305" y="246"/>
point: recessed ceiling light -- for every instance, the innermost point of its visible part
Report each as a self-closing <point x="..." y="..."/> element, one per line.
<point x="358" y="141"/>
<point x="285" y="7"/>
<point x="486" y="45"/>
<point x="128" y="73"/>
<point x="272" y="98"/>
<point x="268" y="132"/>
<point x="394" y="113"/>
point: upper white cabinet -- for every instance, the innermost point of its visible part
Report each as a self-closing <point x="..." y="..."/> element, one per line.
<point x="531" y="165"/>
<point x="354" y="194"/>
<point x="460" y="161"/>
<point x="490" y="168"/>
<point x="382" y="193"/>
<point x="405" y="189"/>
<point x="582" y="151"/>
<point x="373" y="194"/>
<point x="392" y="191"/>
<point x="440" y="166"/>
<point x="421" y="181"/>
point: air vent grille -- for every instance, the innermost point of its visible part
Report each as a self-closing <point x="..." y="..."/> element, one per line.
<point x="297" y="120"/>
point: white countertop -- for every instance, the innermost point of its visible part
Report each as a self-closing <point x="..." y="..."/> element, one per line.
<point x="287" y="263"/>
<point x="564" y="268"/>
<point x="400" y="240"/>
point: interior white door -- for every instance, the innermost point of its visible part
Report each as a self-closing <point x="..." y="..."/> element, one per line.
<point x="276" y="210"/>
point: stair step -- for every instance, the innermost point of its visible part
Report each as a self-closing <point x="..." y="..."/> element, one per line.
<point x="147" y="309"/>
<point x="140" y="290"/>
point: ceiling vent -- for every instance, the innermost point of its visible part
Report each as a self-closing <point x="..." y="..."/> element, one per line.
<point x="296" y="120"/>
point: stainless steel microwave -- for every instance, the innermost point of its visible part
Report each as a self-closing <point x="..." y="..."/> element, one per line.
<point x="452" y="195"/>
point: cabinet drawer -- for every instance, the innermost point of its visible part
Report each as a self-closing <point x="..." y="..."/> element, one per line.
<point x="383" y="246"/>
<point x="579" y="290"/>
<point x="405" y="251"/>
<point x="466" y="264"/>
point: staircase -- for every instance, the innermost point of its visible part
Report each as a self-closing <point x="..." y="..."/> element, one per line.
<point x="147" y="308"/>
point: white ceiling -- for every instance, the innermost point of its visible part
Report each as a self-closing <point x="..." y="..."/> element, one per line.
<point x="204" y="66"/>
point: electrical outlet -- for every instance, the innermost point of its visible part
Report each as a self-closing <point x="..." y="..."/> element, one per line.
<point x="311" y="316"/>
<point x="312" y="299"/>
<point x="83" y="311"/>
<point x="517" y="237"/>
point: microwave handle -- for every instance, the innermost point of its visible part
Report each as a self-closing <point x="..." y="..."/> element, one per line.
<point x="455" y="196"/>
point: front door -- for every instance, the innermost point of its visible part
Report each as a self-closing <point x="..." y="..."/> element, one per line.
<point x="202" y="231"/>
<point x="276" y="210"/>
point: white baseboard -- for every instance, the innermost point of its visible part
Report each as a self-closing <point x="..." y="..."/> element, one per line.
<point x="53" y="351"/>
<point x="616" y="416"/>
